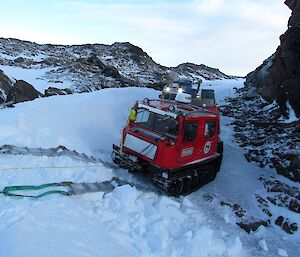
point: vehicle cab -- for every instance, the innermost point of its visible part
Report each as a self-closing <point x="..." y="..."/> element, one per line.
<point x="169" y="135"/>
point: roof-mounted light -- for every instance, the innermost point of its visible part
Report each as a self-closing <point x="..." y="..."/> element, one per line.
<point x="183" y="98"/>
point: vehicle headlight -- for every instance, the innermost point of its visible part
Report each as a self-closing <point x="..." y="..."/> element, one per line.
<point x="180" y="90"/>
<point x="167" y="89"/>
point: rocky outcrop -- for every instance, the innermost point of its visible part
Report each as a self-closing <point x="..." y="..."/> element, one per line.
<point x="202" y="70"/>
<point x="16" y="91"/>
<point x="278" y="78"/>
<point x="294" y="5"/>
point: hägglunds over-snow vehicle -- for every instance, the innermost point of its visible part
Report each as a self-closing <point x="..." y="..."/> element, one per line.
<point x="176" y="142"/>
<point x="180" y="86"/>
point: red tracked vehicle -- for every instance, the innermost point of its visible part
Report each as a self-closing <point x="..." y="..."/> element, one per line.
<point x="176" y="143"/>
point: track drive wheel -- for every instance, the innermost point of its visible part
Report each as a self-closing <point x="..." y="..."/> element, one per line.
<point x="212" y="174"/>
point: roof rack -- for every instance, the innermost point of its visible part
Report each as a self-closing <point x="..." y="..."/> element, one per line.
<point x="175" y="109"/>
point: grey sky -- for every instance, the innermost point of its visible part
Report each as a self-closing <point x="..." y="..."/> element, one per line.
<point x="232" y="35"/>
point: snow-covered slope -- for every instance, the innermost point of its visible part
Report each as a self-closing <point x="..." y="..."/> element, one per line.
<point x="84" y="68"/>
<point x="128" y="221"/>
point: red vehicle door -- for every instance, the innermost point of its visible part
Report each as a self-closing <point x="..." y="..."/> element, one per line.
<point x="209" y="138"/>
<point x="188" y="148"/>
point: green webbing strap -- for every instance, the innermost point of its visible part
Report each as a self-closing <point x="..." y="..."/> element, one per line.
<point x="7" y="191"/>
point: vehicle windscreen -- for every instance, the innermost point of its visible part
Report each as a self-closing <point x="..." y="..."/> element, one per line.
<point x="163" y="124"/>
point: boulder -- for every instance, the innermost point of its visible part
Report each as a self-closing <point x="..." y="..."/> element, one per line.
<point x="286" y="225"/>
<point x="94" y="60"/>
<point x="19" y="60"/>
<point x="51" y="91"/>
<point x="111" y="71"/>
<point x="22" y="92"/>
<point x="252" y="225"/>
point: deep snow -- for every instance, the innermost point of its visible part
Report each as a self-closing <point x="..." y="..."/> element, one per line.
<point x="128" y="221"/>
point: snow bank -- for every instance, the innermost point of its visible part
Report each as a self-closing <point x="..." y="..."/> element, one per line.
<point x="89" y="123"/>
<point x="160" y="226"/>
<point x="36" y="77"/>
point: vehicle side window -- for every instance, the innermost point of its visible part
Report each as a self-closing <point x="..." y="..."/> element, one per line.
<point x="190" y="131"/>
<point x="210" y="129"/>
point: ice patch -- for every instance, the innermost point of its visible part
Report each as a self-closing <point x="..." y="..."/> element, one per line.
<point x="205" y="243"/>
<point x="235" y="248"/>
<point x="263" y="244"/>
<point x="282" y="252"/>
<point x="292" y="115"/>
<point x="126" y="195"/>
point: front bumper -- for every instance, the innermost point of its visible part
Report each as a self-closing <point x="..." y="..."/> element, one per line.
<point x="123" y="160"/>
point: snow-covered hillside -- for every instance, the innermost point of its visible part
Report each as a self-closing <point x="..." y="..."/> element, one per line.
<point x="85" y="68"/>
<point x="128" y="221"/>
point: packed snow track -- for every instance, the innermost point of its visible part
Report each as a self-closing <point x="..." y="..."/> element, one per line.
<point x="127" y="221"/>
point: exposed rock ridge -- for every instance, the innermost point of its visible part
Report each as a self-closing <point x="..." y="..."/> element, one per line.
<point x="92" y="67"/>
<point x="278" y="78"/>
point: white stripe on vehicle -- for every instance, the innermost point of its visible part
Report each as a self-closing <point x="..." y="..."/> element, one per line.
<point x="140" y="146"/>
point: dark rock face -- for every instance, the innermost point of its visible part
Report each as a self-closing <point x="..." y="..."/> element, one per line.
<point x="294" y="5"/>
<point x="278" y="78"/>
<point x="5" y="85"/>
